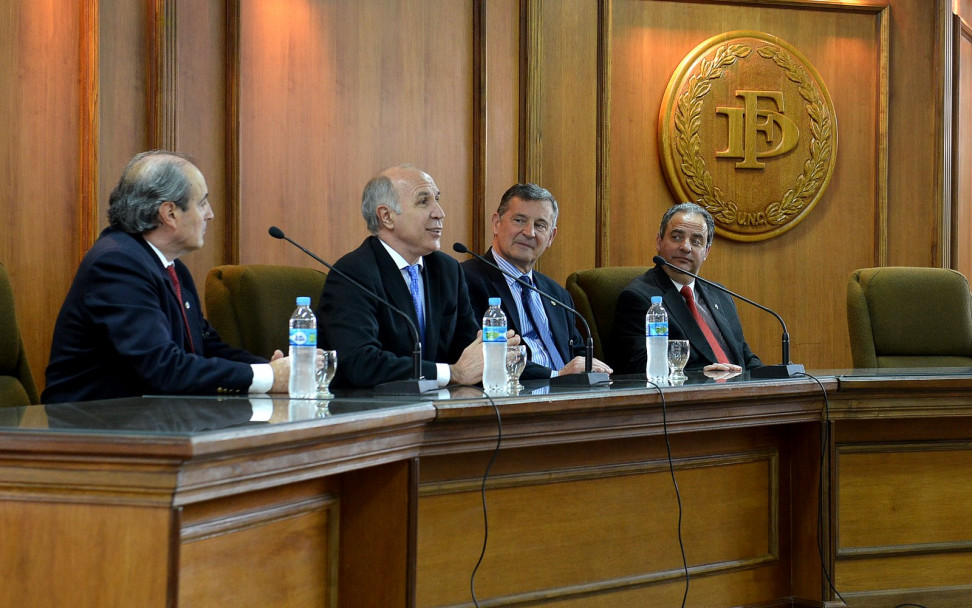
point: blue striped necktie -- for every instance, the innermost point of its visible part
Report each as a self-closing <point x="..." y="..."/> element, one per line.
<point x="541" y="328"/>
<point x="415" y="287"/>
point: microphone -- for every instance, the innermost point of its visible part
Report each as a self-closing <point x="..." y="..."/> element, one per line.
<point x="588" y="378"/>
<point x="784" y="369"/>
<point x="418" y="383"/>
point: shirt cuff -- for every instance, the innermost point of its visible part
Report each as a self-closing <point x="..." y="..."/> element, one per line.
<point x="262" y="378"/>
<point x="554" y="373"/>
<point x="442" y="374"/>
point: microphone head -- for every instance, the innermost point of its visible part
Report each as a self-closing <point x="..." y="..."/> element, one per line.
<point x="459" y="248"/>
<point x="276" y="233"/>
<point x="659" y="260"/>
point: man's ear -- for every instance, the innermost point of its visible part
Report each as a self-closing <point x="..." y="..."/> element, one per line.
<point x="496" y="221"/>
<point x="553" y="235"/>
<point x="167" y="215"/>
<point x="386" y="216"/>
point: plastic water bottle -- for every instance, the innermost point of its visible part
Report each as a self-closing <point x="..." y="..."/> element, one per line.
<point x="303" y="351"/>
<point x="494" y="348"/>
<point x="656" y="340"/>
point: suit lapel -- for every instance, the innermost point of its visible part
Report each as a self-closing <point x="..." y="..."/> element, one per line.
<point x="396" y="291"/>
<point x="556" y="318"/>
<point x="716" y="303"/>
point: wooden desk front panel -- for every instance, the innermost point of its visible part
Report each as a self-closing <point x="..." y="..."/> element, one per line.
<point x="64" y="552"/>
<point x="595" y="523"/>
<point x="904" y="511"/>
<point x="262" y="549"/>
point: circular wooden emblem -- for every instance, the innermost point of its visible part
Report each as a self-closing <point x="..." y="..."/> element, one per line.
<point x="747" y="129"/>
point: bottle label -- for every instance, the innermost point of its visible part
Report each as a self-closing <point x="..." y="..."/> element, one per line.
<point x="494" y="334"/>
<point x="656" y="329"/>
<point x="303" y="337"/>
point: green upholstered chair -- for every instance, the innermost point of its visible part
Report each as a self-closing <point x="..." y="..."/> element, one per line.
<point x="16" y="382"/>
<point x="595" y="293"/>
<point x="250" y="305"/>
<point x="909" y="317"/>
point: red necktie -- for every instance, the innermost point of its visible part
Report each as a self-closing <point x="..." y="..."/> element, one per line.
<point x="182" y="305"/>
<point x="720" y="354"/>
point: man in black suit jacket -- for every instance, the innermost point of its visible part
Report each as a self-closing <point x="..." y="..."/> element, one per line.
<point x="401" y="208"/>
<point x="684" y="238"/>
<point x="126" y="328"/>
<point x="524" y="226"/>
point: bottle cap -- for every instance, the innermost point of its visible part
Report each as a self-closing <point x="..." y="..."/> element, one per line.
<point x="656" y="299"/>
<point x="303" y="301"/>
<point x="494" y="301"/>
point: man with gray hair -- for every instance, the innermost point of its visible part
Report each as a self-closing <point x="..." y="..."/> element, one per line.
<point x="704" y="316"/>
<point x="524" y="226"/>
<point x="132" y="323"/>
<point x="402" y="263"/>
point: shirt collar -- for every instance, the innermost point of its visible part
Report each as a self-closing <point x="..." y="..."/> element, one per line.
<point x="397" y="257"/>
<point x="165" y="262"/>
<point x="678" y="286"/>
<point x="509" y="268"/>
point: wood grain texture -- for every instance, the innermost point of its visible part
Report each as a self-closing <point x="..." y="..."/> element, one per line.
<point x="290" y="106"/>
<point x="40" y="231"/>
<point x="106" y="568"/>
<point x="581" y="505"/>
<point x="332" y="92"/>
<point x="561" y="534"/>
<point x="649" y="40"/>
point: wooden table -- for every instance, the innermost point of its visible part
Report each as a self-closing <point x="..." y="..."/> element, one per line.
<point x="378" y="502"/>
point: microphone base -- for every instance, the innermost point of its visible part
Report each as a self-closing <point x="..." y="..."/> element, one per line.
<point x="406" y="387"/>
<point x="585" y="379"/>
<point x="789" y="370"/>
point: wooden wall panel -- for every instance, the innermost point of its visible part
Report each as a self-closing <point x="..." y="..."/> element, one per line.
<point x="787" y="273"/>
<point x="40" y="238"/>
<point x="122" y="92"/>
<point x="915" y="134"/>
<point x="332" y="92"/>
<point x="201" y="86"/>
<point x="962" y="226"/>
<point x="502" y="141"/>
<point x="564" y="138"/>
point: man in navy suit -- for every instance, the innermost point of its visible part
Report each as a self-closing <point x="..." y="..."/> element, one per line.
<point x="132" y="323"/>
<point x="401" y="262"/>
<point x="704" y="316"/>
<point x="524" y="226"/>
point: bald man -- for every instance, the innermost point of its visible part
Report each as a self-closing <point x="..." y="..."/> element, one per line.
<point x="401" y="262"/>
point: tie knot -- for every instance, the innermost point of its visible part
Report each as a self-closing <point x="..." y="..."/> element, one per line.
<point x="526" y="279"/>
<point x="413" y="271"/>
<point x="686" y="292"/>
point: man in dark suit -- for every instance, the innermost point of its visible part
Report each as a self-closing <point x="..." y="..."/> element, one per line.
<point x="132" y="323"/>
<point x="706" y="317"/>
<point x="401" y="262"/>
<point x="524" y="226"/>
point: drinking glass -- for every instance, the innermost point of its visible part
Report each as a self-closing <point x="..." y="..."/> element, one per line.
<point x="678" y="356"/>
<point x="516" y="357"/>
<point x="325" y="374"/>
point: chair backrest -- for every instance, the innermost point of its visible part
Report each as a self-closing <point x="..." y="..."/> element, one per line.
<point x="909" y="317"/>
<point x="595" y="293"/>
<point x="16" y="382"/>
<point x="249" y="305"/>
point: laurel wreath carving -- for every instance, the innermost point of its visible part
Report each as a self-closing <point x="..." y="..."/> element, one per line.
<point x="688" y="142"/>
